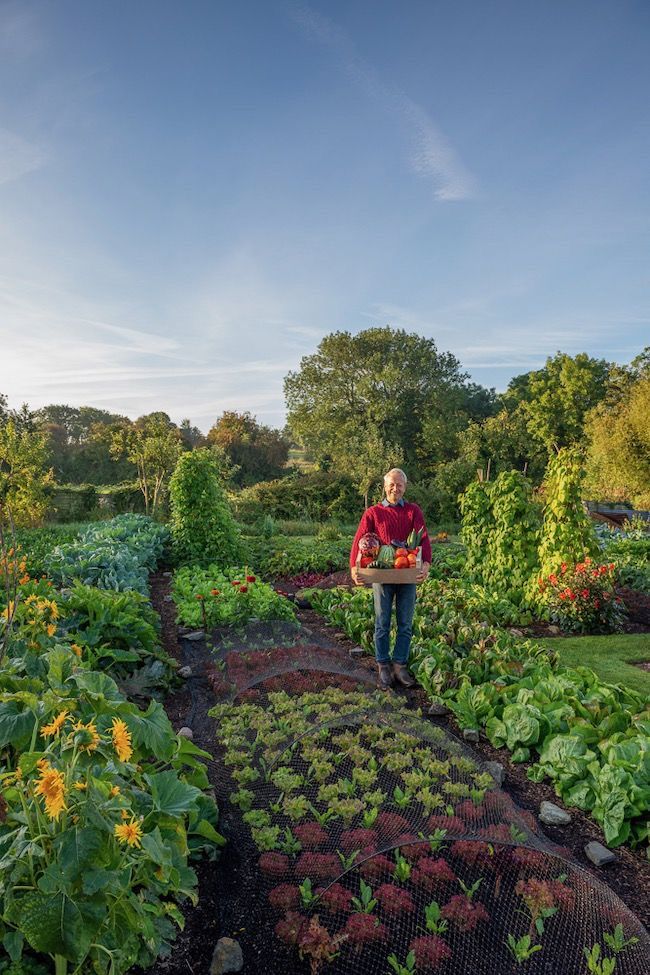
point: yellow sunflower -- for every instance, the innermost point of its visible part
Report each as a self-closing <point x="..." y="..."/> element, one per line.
<point x="51" y="787"/>
<point x="56" y="725"/>
<point x="121" y="740"/>
<point x="129" y="833"/>
<point x="86" y="736"/>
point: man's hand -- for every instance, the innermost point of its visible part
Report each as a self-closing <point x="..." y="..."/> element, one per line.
<point x="424" y="572"/>
<point x="354" y="572"/>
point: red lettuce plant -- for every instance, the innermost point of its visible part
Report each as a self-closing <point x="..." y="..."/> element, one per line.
<point x="274" y="864"/>
<point x="376" y="868"/>
<point x="289" y="927"/>
<point x="394" y="901"/>
<point x="411" y="848"/>
<point x="390" y="825"/>
<point x="311" y="835"/>
<point x="335" y="898"/>
<point x="430" y="951"/>
<point x="318" y="866"/>
<point x="453" y="824"/>
<point x="464" y="913"/>
<point x="364" y="929"/>
<point x="431" y="873"/>
<point x="364" y="840"/>
<point x="284" y="897"/>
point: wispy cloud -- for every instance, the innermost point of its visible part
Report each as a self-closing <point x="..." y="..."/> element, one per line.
<point x="58" y="348"/>
<point x="18" y="156"/>
<point x="431" y="154"/>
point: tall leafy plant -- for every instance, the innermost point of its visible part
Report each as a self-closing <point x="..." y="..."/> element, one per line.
<point x="203" y="528"/>
<point x="567" y="532"/>
<point x="478" y="523"/>
<point x="511" y="558"/>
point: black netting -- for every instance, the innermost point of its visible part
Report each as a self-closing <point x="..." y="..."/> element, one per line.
<point x="373" y="833"/>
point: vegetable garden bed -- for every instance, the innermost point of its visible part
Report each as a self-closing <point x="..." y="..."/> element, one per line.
<point x="245" y="913"/>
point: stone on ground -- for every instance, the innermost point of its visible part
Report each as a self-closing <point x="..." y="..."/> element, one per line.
<point x="470" y="734"/>
<point x="227" y="957"/>
<point x="186" y="733"/>
<point x="553" y="815"/>
<point x="497" y="771"/>
<point x="599" y="854"/>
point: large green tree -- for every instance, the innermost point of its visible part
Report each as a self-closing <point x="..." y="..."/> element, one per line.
<point x="557" y="398"/>
<point x="78" y="446"/>
<point x="24" y="475"/>
<point x="153" y="445"/>
<point x="618" y="458"/>
<point x="257" y="452"/>
<point x="383" y="382"/>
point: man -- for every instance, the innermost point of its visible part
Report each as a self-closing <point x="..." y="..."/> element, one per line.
<point x="392" y="519"/>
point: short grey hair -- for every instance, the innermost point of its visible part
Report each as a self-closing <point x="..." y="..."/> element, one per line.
<point x="395" y="470"/>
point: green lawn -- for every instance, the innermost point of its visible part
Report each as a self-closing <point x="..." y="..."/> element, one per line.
<point x="610" y="656"/>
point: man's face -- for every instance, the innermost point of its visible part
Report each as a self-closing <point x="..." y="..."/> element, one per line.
<point x="394" y="486"/>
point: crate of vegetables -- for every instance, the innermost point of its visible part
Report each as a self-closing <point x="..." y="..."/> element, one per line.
<point x="399" y="562"/>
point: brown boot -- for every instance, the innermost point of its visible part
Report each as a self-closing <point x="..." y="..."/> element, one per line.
<point x="385" y="679"/>
<point x="402" y="676"/>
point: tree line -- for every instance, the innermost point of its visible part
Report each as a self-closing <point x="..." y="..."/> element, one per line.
<point x="358" y="405"/>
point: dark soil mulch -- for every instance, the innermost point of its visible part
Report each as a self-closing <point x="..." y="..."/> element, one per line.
<point x="229" y="889"/>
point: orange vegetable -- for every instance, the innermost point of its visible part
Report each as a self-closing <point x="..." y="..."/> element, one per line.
<point x="412" y="560"/>
<point x="401" y="553"/>
<point x="402" y="562"/>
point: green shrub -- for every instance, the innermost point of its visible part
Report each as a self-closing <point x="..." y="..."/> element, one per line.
<point x="314" y="496"/>
<point x="282" y="556"/>
<point x="203" y="528"/>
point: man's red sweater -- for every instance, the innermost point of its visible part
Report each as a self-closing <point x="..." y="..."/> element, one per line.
<point x="390" y="523"/>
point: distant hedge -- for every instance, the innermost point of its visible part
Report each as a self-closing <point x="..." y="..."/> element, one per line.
<point x="75" y="502"/>
<point x="315" y="496"/>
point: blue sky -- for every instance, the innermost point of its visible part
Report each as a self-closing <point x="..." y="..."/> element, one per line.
<point x="193" y="194"/>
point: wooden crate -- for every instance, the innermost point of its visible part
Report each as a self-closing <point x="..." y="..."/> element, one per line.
<point x="390" y="575"/>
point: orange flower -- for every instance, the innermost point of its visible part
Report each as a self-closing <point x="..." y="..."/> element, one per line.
<point x="76" y="649"/>
<point x="215" y="592"/>
<point x="198" y="596"/>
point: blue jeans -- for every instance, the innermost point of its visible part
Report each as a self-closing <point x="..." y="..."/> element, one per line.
<point x="404" y="596"/>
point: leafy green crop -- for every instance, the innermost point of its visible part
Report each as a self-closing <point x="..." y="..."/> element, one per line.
<point x="215" y="597"/>
<point x="117" y="555"/>
<point x="590" y="738"/>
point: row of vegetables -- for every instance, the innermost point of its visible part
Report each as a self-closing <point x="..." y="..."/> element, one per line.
<point x="381" y="844"/>
<point x="590" y="738"/>
<point x="102" y="805"/>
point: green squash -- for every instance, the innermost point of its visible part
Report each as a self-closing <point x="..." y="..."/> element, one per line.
<point x="386" y="557"/>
